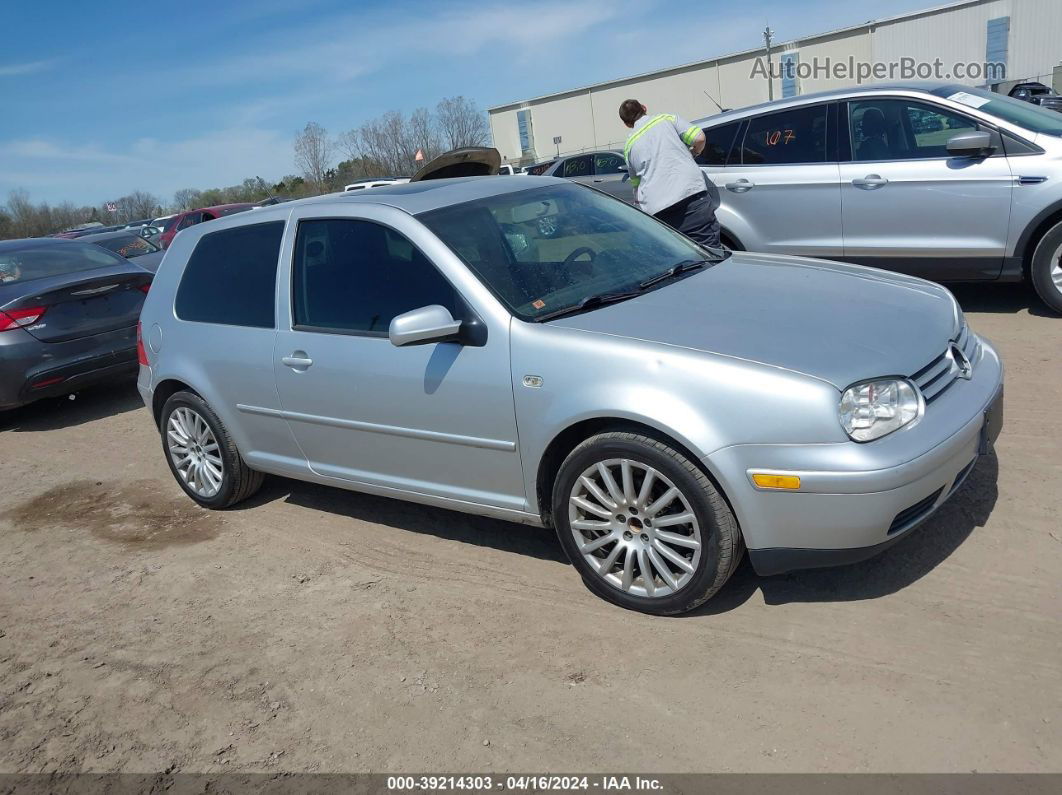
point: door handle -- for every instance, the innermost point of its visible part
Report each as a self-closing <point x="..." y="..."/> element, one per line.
<point x="870" y="182"/>
<point x="297" y="361"/>
<point x="741" y="186"/>
<point x="599" y="180"/>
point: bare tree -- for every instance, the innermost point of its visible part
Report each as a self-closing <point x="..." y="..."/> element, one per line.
<point x="187" y="199"/>
<point x="461" y="123"/>
<point x="138" y="204"/>
<point x="313" y="154"/>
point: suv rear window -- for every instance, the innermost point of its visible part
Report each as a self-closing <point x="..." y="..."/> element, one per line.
<point x="231" y="277"/>
<point x="40" y="262"/>
<point x="797" y="135"/>
<point x="717" y="144"/>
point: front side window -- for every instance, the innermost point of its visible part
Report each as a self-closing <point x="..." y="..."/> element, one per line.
<point x="576" y="167"/>
<point x="609" y="163"/>
<point x="786" y="138"/>
<point x="900" y="129"/>
<point x="717" y="144"/>
<point x="355" y="276"/>
<point x="546" y="249"/>
<point x="231" y="277"/>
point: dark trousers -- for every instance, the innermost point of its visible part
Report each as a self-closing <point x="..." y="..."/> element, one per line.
<point x="695" y="218"/>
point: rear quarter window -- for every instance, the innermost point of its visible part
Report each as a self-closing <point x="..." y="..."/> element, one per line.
<point x="231" y="277"/>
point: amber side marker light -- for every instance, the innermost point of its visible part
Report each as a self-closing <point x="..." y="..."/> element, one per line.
<point x="776" y="481"/>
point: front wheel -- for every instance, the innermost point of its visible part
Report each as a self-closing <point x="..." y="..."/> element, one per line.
<point x="1046" y="270"/>
<point x="201" y="454"/>
<point x="644" y="526"/>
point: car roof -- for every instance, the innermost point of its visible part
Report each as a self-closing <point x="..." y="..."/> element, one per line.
<point x="26" y="243"/>
<point x="431" y="194"/>
<point x="110" y="235"/>
<point x="818" y="96"/>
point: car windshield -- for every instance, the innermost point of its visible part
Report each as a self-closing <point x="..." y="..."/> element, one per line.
<point x="128" y="246"/>
<point x="1023" y="114"/>
<point x="39" y="262"/>
<point x="547" y="249"/>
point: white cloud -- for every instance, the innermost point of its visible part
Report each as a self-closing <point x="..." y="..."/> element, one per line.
<point x="55" y="171"/>
<point x="26" y="68"/>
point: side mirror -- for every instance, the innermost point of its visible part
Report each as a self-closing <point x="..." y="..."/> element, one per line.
<point x="971" y="144"/>
<point x="420" y="326"/>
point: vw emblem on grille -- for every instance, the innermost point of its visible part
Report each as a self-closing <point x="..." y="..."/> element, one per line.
<point x="965" y="368"/>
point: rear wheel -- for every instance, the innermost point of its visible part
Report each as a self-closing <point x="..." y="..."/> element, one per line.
<point x="1046" y="270"/>
<point x="643" y="525"/>
<point x="201" y="454"/>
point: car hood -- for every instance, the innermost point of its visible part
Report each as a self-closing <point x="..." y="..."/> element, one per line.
<point x="836" y="322"/>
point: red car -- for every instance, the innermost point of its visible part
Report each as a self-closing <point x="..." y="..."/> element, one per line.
<point x="193" y="217"/>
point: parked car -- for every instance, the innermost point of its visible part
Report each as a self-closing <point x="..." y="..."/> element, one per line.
<point x="535" y="351"/>
<point x="129" y="245"/>
<point x="509" y="170"/>
<point x="68" y="314"/>
<point x="976" y="196"/>
<point x="1037" y="94"/>
<point x="605" y="170"/>
<point x="73" y="234"/>
<point x="176" y="223"/>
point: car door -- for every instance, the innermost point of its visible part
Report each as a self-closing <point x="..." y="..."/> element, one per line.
<point x="779" y="191"/>
<point x="908" y="205"/>
<point x="435" y="419"/>
<point x="610" y="175"/>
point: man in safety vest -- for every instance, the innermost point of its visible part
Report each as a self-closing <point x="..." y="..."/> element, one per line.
<point x="667" y="182"/>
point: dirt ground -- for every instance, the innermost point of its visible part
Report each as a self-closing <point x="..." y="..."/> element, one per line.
<point x="320" y="630"/>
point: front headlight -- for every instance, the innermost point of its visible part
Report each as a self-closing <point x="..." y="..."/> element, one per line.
<point x="873" y="409"/>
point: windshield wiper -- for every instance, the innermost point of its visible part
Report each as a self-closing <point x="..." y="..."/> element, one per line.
<point x="590" y="302"/>
<point x="675" y="270"/>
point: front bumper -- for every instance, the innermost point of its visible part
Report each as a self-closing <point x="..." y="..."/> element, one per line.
<point x="857" y="499"/>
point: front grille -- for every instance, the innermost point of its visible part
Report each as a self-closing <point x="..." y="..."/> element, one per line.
<point x="939" y="374"/>
<point x="915" y="512"/>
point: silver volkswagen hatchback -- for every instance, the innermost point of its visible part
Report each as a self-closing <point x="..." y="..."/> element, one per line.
<point x="536" y="351"/>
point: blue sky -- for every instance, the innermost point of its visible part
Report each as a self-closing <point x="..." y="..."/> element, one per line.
<point x="98" y="100"/>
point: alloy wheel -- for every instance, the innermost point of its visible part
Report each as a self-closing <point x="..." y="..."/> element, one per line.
<point x="1056" y="269"/>
<point x="635" y="528"/>
<point x="195" y="452"/>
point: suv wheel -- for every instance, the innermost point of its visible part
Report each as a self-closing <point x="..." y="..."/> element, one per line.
<point x="202" y="455"/>
<point x="646" y="528"/>
<point x="1047" y="268"/>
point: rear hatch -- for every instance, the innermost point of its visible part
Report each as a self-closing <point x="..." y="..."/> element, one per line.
<point x="74" y="303"/>
<point x="470" y="161"/>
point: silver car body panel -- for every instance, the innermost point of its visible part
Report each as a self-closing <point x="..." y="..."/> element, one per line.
<point x="741" y="364"/>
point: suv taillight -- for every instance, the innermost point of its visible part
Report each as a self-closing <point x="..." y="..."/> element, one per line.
<point x="19" y="318"/>
<point x="141" y="352"/>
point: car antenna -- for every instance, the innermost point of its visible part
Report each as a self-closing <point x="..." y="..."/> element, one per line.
<point x="721" y="108"/>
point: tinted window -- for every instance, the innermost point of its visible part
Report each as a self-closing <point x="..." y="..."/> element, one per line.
<point x="898" y="129"/>
<point x="231" y="277"/>
<point x="128" y="246"/>
<point x="38" y="262"/>
<point x="792" y="136"/>
<point x="718" y="141"/>
<point x="609" y="164"/>
<point x="575" y="167"/>
<point x="357" y="275"/>
<point x="189" y="220"/>
<point x="230" y="210"/>
<point x="540" y="168"/>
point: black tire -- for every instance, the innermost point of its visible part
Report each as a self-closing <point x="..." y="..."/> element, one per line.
<point x="238" y="481"/>
<point x="722" y="543"/>
<point x="1043" y="260"/>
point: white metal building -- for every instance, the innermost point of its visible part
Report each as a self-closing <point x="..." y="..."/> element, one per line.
<point x="1023" y="35"/>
